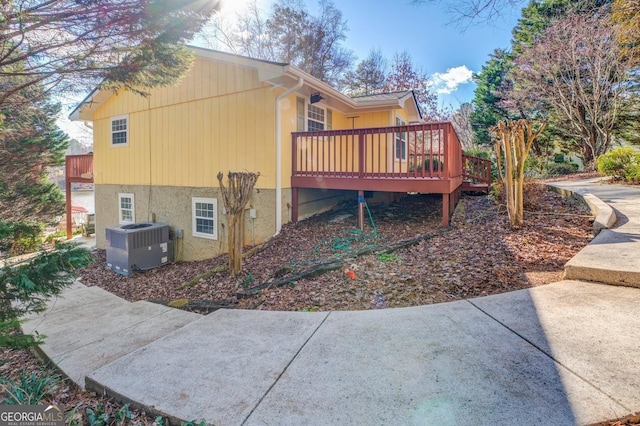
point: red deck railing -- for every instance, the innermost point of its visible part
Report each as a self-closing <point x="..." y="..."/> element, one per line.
<point x="476" y="170"/>
<point x="382" y="158"/>
<point x="78" y="169"/>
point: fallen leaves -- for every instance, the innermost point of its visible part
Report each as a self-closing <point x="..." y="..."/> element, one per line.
<point x="478" y="256"/>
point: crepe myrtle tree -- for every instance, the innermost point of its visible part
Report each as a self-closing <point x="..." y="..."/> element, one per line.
<point x="236" y="195"/>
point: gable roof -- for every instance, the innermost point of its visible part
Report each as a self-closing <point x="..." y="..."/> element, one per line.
<point x="280" y="75"/>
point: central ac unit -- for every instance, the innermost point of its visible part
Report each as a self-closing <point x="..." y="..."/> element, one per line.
<point x="138" y="247"/>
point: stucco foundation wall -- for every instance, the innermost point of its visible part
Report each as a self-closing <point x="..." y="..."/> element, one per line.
<point x="172" y="205"/>
<point x="314" y="201"/>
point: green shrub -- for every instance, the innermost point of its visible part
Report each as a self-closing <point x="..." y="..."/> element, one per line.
<point x="632" y="173"/>
<point x="20" y="237"/>
<point x="480" y="153"/>
<point x="621" y="163"/>
<point x="429" y="166"/>
<point x="560" y="169"/>
<point x="29" y="388"/>
<point x="26" y="287"/>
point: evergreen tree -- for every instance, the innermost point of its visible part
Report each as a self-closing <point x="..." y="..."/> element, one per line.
<point x="30" y="143"/>
<point x="76" y="45"/>
<point x="488" y="96"/>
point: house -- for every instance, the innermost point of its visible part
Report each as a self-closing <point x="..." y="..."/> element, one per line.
<point x="156" y="158"/>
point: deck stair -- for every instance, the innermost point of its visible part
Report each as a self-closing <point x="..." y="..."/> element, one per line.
<point x="476" y="174"/>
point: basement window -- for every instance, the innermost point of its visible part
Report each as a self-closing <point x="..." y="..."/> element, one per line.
<point x="205" y="217"/>
<point x="126" y="209"/>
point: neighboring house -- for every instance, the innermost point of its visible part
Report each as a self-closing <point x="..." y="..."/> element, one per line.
<point x="156" y="158"/>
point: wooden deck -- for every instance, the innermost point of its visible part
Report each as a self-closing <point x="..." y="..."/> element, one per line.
<point x="78" y="169"/>
<point x="424" y="158"/>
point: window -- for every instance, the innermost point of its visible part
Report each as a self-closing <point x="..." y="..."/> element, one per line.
<point x="205" y="217"/>
<point x="300" y="114"/>
<point x="401" y="141"/>
<point x="120" y="131"/>
<point x="126" y="208"/>
<point x="315" y="118"/>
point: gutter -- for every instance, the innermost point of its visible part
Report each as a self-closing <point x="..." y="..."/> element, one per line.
<point x="279" y="153"/>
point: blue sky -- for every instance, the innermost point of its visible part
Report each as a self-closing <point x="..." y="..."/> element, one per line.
<point x="444" y="50"/>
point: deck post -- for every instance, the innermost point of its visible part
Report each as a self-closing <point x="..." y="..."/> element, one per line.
<point x="445" y="209"/>
<point x="294" y="205"/>
<point x="67" y="186"/>
<point x="361" y="210"/>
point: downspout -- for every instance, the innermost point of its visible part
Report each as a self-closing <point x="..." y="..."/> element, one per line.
<point x="279" y="153"/>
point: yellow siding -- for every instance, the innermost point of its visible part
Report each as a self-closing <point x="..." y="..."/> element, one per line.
<point x="288" y="120"/>
<point x="219" y="118"/>
<point x="373" y="119"/>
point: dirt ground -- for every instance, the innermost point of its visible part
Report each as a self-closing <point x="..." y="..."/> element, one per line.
<point x="477" y="255"/>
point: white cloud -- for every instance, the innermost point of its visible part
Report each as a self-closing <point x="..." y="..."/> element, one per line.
<point x="447" y="82"/>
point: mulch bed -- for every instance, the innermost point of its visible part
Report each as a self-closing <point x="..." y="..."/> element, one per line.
<point x="477" y="256"/>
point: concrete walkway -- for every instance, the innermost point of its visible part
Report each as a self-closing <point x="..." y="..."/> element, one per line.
<point x="561" y="354"/>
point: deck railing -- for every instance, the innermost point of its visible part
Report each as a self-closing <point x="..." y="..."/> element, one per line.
<point x="422" y="151"/>
<point x="476" y="170"/>
<point x="79" y="168"/>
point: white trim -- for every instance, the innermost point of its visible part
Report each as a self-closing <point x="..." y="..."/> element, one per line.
<point x="280" y="97"/>
<point x="395" y="139"/>
<point x="124" y="117"/>
<point x="308" y="118"/>
<point x="121" y="219"/>
<point x="214" y="210"/>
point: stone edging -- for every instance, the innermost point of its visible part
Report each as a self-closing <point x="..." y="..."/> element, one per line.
<point x="605" y="216"/>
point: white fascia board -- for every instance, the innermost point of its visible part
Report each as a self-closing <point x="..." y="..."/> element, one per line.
<point x="267" y="70"/>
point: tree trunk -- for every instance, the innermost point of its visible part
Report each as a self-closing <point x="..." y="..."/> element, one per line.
<point x="514" y="142"/>
<point x="236" y="197"/>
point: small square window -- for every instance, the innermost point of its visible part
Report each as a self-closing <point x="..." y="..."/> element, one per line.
<point x="205" y="217"/>
<point x="126" y="210"/>
<point x="120" y="131"/>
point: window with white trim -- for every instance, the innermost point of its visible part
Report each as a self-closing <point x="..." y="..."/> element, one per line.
<point x="126" y="208"/>
<point x="120" y="130"/>
<point x="205" y="217"/>
<point x="400" y="141"/>
<point x="315" y="118"/>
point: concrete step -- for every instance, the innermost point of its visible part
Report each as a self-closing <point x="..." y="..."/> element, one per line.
<point x="610" y="258"/>
<point x="92" y="328"/>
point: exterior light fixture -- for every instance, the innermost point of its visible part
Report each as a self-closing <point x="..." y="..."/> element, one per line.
<point x="316" y="97"/>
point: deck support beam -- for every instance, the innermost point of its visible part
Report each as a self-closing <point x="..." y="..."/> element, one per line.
<point x="294" y="205"/>
<point x="446" y="205"/>
<point x="77" y="169"/>
<point x="67" y="186"/>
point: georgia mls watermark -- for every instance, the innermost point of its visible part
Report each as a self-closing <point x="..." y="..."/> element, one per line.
<point x="31" y="415"/>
